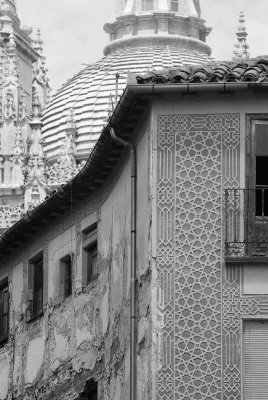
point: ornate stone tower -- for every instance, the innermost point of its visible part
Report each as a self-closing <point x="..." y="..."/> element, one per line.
<point x="143" y="34"/>
<point x="241" y="48"/>
<point x="20" y="59"/>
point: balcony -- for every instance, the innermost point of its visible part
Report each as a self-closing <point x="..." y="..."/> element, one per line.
<point x="246" y="222"/>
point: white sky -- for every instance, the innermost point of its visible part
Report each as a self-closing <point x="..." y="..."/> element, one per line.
<point x="73" y="35"/>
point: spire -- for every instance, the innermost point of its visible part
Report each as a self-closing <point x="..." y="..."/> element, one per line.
<point x="38" y="42"/>
<point x="40" y="78"/>
<point x="65" y="168"/>
<point x="241" y="47"/>
<point x="143" y="22"/>
<point x="35" y="176"/>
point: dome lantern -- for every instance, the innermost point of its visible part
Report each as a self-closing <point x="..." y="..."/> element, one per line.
<point x="136" y="20"/>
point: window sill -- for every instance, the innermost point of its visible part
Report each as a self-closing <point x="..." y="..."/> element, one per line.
<point x="35" y="317"/>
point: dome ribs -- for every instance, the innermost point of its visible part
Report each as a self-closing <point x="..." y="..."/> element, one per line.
<point x="88" y="92"/>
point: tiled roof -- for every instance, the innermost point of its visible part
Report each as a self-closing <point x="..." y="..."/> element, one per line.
<point x="89" y="92"/>
<point x="243" y="71"/>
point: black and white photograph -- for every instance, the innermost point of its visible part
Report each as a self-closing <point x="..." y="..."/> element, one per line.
<point x="133" y="200"/>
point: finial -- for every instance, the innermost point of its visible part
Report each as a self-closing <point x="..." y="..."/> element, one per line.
<point x="36" y="106"/>
<point x="70" y="120"/>
<point x="241" y="47"/>
<point x="38" y="42"/>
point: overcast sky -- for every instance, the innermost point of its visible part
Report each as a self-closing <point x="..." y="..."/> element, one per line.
<point x="73" y="35"/>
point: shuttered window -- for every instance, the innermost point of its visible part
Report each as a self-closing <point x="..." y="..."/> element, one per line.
<point x="255" y="355"/>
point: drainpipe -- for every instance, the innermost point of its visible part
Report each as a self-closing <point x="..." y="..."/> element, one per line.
<point x="133" y="292"/>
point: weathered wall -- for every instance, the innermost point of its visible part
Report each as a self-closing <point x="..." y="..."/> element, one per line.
<point x="87" y="334"/>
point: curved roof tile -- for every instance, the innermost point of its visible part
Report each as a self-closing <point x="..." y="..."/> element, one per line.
<point x="255" y="70"/>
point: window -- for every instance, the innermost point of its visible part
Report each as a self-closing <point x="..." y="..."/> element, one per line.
<point x="255" y="279"/>
<point x="66" y="275"/>
<point x="147" y="5"/>
<point x="35" y="286"/>
<point x="90" y="252"/>
<point x="255" y="360"/>
<point x="174" y="5"/>
<point x="257" y="167"/>
<point x="261" y="138"/>
<point x="90" y="392"/>
<point x="4" y="310"/>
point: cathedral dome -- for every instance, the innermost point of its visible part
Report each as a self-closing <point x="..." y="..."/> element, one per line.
<point x="140" y="39"/>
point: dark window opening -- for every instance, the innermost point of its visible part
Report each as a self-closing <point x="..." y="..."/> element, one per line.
<point x="66" y="273"/>
<point x="90" y="253"/>
<point x="90" y="392"/>
<point x="92" y="265"/>
<point x="4" y="311"/>
<point x="35" y="287"/>
<point x="261" y="131"/>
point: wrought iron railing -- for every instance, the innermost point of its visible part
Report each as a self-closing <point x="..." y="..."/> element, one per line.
<point x="246" y="221"/>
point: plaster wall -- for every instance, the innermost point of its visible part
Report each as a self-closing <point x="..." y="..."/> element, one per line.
<point x="85" y="335"/>
<point x="4" y="377"/>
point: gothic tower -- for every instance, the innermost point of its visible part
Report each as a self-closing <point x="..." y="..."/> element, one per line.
<point x="19" y="64"/>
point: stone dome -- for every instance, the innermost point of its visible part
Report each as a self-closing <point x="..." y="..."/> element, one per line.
<point x="139" y="43"/>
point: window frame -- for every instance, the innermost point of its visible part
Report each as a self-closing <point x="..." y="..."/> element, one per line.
<point x="66" y="275"/>
<point x="174" y="3"/>
<point x="245" y="320"/>
<point x="90" y="254"/>
<point x="35" y="287"/>
<point x="251" y="121"/>
<point x="4" y="289"/>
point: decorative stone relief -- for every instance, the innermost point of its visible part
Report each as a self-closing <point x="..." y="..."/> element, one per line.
<point x="9" y="215"/>
<point x="9" y="110"/>
<point x="192" y="152"/>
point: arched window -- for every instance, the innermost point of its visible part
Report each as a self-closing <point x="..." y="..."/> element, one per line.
<point x="147" y="5"/>
<point x="174" y="5"/>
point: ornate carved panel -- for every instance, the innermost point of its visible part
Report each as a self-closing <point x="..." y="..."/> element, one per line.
<point x="196" y="154"/>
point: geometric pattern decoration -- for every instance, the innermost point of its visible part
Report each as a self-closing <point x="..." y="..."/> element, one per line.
<point x="193" y="151"/>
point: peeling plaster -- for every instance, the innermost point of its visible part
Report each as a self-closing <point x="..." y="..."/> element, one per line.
<point x="84" y="323"/>
<point x="35" y="358"/>
<point x="105" y="312"/>
<point x="4" y="376"/>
